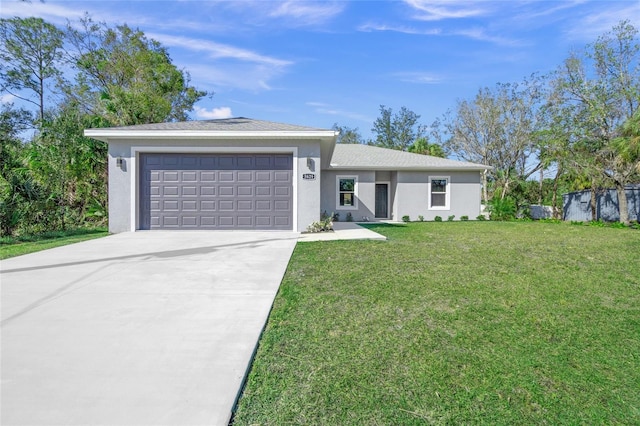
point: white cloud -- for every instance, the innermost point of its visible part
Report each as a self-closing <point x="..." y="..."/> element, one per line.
<point x="7" y="98"/>
<point x="436" y="10"/>
<point x="214" y="113"/>
<point x="217" y="50"/>
<point x="369" y="27"/>
<point x="593" y="25"/>
<point x="322" y="108"/>
<point x="304" y="13"/>
<point x="419" y="77"/>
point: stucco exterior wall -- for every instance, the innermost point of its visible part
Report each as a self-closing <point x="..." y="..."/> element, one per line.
<point x="408" y="194"/>
<point x="123" y="183"/>
<point x="412" y="195"/>
<point x="365" y="194"/>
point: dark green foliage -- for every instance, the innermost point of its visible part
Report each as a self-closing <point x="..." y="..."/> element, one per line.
<point x="481" y="217"/>
<point x="406" y="218"/>
<point x="451" y="217"/>
<point x="464" y="218"/>
<point x="349" y="217"/>
<point x="438" y="219"/>
<point x="502" y="209"/>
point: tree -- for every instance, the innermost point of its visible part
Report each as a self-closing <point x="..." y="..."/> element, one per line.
<point x="498" y="128"/>
<point x="422" y="146"/>
<point x="600" y="91"/>
<point x="397" y="131"/>
<point x="127" y="78"/>
<point x="31" y="51"/>
<point x="348" y="135"/>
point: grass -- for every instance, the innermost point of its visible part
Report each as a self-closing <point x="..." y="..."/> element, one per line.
<point x="17" y="246"/>
<point x="454" y="323"/>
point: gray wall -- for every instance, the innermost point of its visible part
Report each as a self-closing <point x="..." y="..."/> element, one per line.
<point x="576" y="205"/>
<point x="408" y="194"/>
<point x="122" y="181"/>
<point x="365" y="194"/>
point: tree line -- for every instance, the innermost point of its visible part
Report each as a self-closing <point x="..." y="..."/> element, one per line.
<point x="581" y="123"/>
<point x="84" y="75"/>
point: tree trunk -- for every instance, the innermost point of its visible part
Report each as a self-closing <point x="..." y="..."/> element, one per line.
<point x="554" y="201"/>
<point x="541" y="187"/>
<point x="623" y="206"/>
<point x="485" y="195"/>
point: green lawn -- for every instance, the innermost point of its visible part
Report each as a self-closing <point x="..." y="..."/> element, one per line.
<point x="454" y="323"/>
<point x="16" y="246"/>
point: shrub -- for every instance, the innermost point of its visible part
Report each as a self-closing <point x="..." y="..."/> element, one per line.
<point x="335" y="217"/>
<point x="598" y="223"/>
<point x="323" y="225"/>
<point x="464" y="218"/>
<point x="421" y="218"/>
<point x="450" y="218"/>
<point x="349" y="217"/>
<point x="617" y="225"/>
<point x="438" y="219"/>
<point x="577" y="222"/>
<point x="406" y="218"/>
<point x="502" y="209"/>
<point x="481" y="217"/>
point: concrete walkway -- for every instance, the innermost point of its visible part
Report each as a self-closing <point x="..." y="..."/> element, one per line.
<point x="343" y="231"/>
<point x="145" y="328"/>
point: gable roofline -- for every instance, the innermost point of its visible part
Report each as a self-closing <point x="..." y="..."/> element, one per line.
<point x="227" y="128"/>
<point x="366" y="157"/>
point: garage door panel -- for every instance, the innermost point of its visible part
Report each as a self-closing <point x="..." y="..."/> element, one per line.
<point x="226" y="191"/>
<point x="213" y="191"/>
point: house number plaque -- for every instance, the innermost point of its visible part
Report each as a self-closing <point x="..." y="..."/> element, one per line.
<point x="309" y="176"/>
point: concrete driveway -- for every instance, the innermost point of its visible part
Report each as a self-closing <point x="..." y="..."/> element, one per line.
<point x="145" y="328"/>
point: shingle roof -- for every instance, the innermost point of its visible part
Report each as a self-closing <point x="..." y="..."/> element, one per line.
<point x="239" y="124"/>
<point x="366" y="157"/>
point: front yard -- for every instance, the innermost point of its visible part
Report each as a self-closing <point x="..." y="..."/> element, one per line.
<point x="454" y="323"/>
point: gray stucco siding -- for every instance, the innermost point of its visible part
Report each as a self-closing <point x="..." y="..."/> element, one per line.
<point x="365" y="194"/>
<point x="408" y="194"/>
<point x="412" y="195"/>
<point x="124" y="183"/>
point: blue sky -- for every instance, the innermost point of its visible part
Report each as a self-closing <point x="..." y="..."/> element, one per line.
<point x="320" y="63"/>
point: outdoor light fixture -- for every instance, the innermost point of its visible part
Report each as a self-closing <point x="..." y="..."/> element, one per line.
<point x="310" y="163"/>
<point x="119" y="162"/>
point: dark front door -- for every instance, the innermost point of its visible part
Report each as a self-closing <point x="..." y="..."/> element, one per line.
<point x="382" y="200"/>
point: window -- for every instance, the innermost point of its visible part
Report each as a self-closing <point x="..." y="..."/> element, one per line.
<point x="439" y="193"/>
<point x="346" y="192"/>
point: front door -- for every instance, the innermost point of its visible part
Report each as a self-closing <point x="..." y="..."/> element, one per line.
<point x="382" y="200"/>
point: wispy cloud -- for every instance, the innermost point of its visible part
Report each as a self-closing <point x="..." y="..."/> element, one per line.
<point x="7" y="98"/>
<point x="304" y="13"/>
<point x="480" y="34"/>
<point x="228" y="66"/>
<point x="370" y="27"/>
<point x="212" y="114"/>
<point x="51" y="12"/>
<point x="323" y="108"/>
<point x="436" y="10"/>
<point x="217" y="50"/>
<point x="418" y="77"/>
<point x="591" y="25"/>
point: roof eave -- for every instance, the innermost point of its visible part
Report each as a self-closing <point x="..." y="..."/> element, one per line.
<point x="108" y="134"/>
<point x="411" y="169"/>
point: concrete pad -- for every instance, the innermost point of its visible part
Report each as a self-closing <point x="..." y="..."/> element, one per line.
<point x="343" y="231"/>
<point x="145" y="328"/>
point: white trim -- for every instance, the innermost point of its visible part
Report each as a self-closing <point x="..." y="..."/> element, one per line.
<point x="447" y="198"/>
<point x="206" y="134"/>
<point x="355" y="192"/>
<point x="388" y="183"/>
<point x="135" y="175"/>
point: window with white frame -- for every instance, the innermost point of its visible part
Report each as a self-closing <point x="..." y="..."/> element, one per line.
<point x="439" y="193"/>
<point x="346" y="192"/>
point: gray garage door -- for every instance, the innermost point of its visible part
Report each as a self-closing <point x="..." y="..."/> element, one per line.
<point x="216" y="191"/>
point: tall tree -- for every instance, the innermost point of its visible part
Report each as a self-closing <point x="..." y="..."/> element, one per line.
<point x="600" y="89"/>
<point x="348" y="134"/>
<point x="397" y="131"/>
<point x="498" y="128"/>
<point x="127" y="78"/>
<point x="423" y="146"/>
<point x="31" y="51"/>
